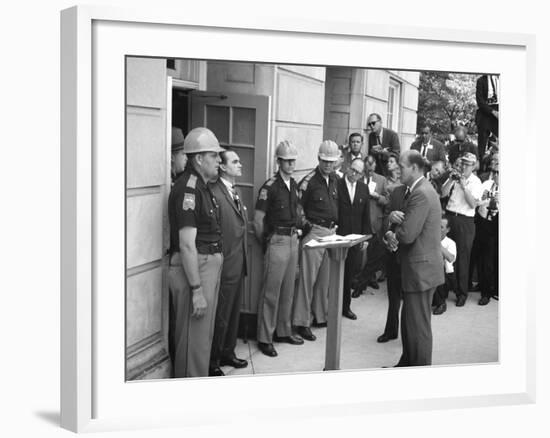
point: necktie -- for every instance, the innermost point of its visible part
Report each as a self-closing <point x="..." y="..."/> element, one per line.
<point x="407" y="194"/>
<point x="378" y="142"/>
<point x="236" y="198"/>
<point x="424" y="147"/>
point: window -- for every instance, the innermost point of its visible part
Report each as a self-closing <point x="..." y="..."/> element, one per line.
<point x="394" y="98"/>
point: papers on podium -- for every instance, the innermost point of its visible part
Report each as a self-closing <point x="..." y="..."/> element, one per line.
<point x="336" y="239"/>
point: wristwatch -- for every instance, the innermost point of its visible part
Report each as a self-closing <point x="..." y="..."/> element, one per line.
<point x="195" y="287"/>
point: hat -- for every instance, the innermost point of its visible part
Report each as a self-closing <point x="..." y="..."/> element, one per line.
<point x="468" y="157"/>
<point x="177" y="139"/>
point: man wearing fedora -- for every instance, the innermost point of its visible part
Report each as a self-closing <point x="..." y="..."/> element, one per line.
<point x="464" y="191"/>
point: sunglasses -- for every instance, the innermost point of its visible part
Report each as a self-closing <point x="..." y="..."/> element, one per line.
<point x="372" y="123"/>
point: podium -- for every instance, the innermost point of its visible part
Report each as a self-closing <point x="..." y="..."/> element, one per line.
<point x="337" y="248"/>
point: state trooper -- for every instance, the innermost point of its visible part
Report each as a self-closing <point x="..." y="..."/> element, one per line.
<point x="195" y="254"/>
<point x="277" y="219"/>
<point x="319" y="198"/>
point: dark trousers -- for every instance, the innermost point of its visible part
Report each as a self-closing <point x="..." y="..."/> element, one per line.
<point x="486" y="126"/>
<point x="487" y="261"/>
<point x="442" y="291"/>
<point x="416" y="329"/>
<point x="462" y="232"/>
<point x="377" y="255"/>
<point x="226" y="326"/>
<point x="393" y="272"/>
<point x="352" y="267"/>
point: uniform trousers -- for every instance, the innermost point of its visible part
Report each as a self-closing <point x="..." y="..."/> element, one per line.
<point x="193" y="336"/>
<point x="228" y="311"/>
<point x="275" y="303"/>
<point x="462" y="232"/>
<point x="393" y="278"/>
<point x="416" y="328"/>
<point x="312" y="294"/>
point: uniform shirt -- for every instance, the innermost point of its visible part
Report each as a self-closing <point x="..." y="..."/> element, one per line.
<point x="450" y="246"/>
<point x="319" y="199"/>
<point x="457" y="202"/>
<point x="279" y="204"/>
<point x="192" y="204"/>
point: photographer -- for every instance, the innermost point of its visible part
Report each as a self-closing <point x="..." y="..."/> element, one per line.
<point x="464" y="191"/>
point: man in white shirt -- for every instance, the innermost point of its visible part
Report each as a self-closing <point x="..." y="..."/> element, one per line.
<point x="464" y="191"/>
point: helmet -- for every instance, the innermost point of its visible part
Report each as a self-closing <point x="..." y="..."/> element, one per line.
<point x="286" y="150"/>
<point x="328" y="151"/>
<point x="177" y="139"/>
<point x="201" y="140"/>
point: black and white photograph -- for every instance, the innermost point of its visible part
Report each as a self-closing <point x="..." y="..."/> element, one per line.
<point x="285" y="219"/>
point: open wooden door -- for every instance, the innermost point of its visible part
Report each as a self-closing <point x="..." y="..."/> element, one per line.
<point x="241" y="123"/>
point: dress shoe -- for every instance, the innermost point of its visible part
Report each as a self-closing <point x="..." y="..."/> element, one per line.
<point x="292" y="339"/>
<point x="385" y="338"/>
<point x="484" y="301"/>
<point x="349" y="314"/>
<point x="267" y="349"/>
<point x="494" y="297"/>
<point x="356" y="293"/>
<point x="440" y="309"/>
<point x="305" y="332"/>
<point x="319" y="324"/>
<point x="234" y="362"/>
<point x="461" y="300"/>
<point x="373" y="284"/>
<point x="215" y="372"/>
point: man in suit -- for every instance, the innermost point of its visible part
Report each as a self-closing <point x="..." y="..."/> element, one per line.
<point x="487" y="110"/>
<point x="381" y="142"/>
<point x="234" y="220"/>
<point x="353" y="218"/>
<point x="430" y="149"/>
<point x="376" y="251"/>
<point x="417" y="237"/>
<point x="355" y="150"/>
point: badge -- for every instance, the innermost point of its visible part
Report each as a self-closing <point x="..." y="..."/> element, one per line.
<point x="263" y="195"/>
<point x="189" y="202"/>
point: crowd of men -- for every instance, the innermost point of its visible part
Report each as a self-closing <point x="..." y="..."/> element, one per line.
<point x="432" y="212"/>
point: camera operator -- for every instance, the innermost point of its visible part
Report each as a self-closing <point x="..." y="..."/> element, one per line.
<point x="464" y="191"/>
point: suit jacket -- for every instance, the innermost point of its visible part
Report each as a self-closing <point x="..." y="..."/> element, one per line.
<point x="419" y="239"/>
<point x="434" y="153"/>
<point x="482" y="89"/>
<point x="377" y="205"/>
<point x="394" y="203"/>
<point x="390" y="140"/>
<point x="234" y="224"/>
<point x="353" y="217"/>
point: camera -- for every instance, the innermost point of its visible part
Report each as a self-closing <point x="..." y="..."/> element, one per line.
<point x="455" y="175"/>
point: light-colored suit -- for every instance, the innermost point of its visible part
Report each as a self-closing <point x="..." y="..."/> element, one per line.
<point x="421" y="261"/>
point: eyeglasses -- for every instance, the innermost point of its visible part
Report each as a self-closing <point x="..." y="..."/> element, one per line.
<point x="354" y="171"/>
<point x="372" y="123"/>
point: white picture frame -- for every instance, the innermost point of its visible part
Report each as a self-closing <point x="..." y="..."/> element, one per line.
<point x="94" y="41"/>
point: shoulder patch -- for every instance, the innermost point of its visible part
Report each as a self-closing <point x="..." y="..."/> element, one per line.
<point x="263" y="195"/>
<point x="192" y="181"/>
<point x="189" y="201"/>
